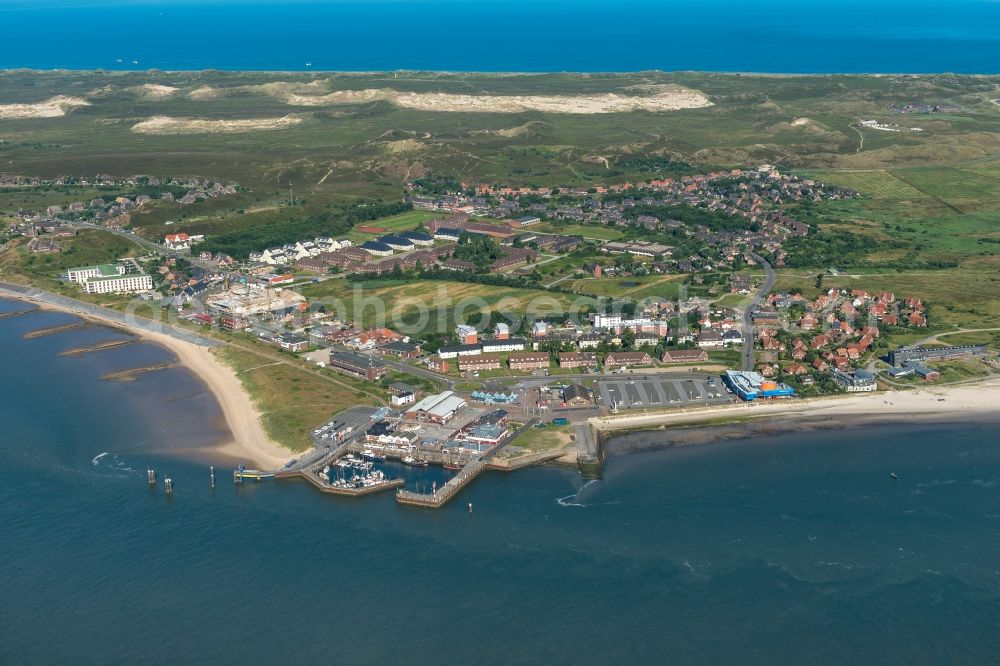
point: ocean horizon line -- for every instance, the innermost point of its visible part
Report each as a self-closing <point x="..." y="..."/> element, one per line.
<point x="489" y="72"/>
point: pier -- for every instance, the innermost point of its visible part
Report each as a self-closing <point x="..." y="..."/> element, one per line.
<point x="464" y="477"/>
<point x="241" y="475"/>
<point x="440" y="497"/>
<point x="589" y="452"/>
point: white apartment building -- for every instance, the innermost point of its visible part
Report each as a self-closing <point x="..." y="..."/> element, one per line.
<point x="118" y="284"/>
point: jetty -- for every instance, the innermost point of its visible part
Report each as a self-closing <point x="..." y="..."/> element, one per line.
<point x="52" y="330"/>
<point x="14" y="314"/>
<point x="100" y="346"/>
<point x="129" y="374"/>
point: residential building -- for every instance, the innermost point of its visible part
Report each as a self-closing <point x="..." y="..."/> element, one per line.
<point x="467" y="335"/>
<point x="477" y="363"/>
<point x="402" y="398"/>
<point x="528" y="361"/>
<point x="376" y="248"/>
<point x="859" y="381"/>
<point x="503" y="345"/>
<point x="81" y="275"/>
<point x="291" y="342"/>
<point x="684" y="356"/>
<point x="358" y="365"/>
<point x="406" y="350"/>
<point x="577" y="359"/>
<point x="454" y="351"/>
<point x="117" y="284"/>
<point x="904" y="356"/>
<point x="623" y="359"/>
<point x="710" y="340"/>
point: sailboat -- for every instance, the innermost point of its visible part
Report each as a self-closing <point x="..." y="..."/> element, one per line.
<point x="451" y="464"/>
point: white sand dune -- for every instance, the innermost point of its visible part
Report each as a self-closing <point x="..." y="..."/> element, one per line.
<point x="171" y="125"/>
<point x="154" y="91"/>
<point x="670" y="99"/>
<point x="649" y="98"/>
<point x="54" y="107"/>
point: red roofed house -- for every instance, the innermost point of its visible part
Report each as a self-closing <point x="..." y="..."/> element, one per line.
<point x="820" y="341"/>
<point x="177" y="241"/>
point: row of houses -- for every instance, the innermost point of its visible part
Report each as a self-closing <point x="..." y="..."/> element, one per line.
<point x="291" y="253"/>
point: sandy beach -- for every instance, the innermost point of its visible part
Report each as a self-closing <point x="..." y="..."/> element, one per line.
<point x="962" y="403"/>
<point x="247" y="441"/>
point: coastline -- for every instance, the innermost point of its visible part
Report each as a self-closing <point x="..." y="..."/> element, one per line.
<point x="247" y="440"/>
<point x="976" y="402"/>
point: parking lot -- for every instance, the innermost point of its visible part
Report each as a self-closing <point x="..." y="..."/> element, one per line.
<point x="345" y="424"/>
<point x="655" y="391"/>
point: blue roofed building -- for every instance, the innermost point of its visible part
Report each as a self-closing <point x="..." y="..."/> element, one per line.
<point x="397" y="242"/>
<point x="753" y="385"/>
<point x="376" y="248"/>
<point x="418" y="237"/>
<point x="447" y="233"/>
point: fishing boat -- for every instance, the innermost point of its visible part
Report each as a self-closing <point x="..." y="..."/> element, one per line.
<point x="414" y="462"/>
<point x="368" y="454"/>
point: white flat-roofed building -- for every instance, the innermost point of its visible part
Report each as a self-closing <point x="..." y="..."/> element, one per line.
<point x="118" y="284"/>
<point x="508" y="344"/>
<point x="454" y="351"/>
<point x="82" y="274"/>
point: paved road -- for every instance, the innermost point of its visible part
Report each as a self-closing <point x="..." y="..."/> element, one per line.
<point x="755" y="302"/>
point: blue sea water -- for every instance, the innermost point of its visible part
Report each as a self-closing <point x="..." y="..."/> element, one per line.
<point x="781" y="550"/>
<point x="794" y="36"/>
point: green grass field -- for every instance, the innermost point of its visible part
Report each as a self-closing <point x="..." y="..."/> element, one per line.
<point x="595" y="231"/>
<point x="877" y="183"/>
<point x="293" y="402"/>
<point x="421" y="306"/>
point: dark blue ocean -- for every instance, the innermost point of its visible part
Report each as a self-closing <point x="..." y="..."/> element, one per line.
<point x="796" y="36"/>
<point x="782" y="550"/>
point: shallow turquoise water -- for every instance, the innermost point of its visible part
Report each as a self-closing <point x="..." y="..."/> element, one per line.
<point x="788" y="549"/>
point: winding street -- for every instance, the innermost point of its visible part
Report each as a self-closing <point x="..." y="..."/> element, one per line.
<point x="754" y="303"/>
